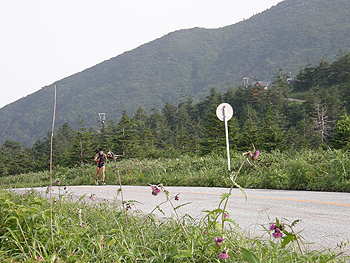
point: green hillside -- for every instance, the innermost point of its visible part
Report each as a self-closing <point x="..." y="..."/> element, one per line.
<point x="186" y="63"/>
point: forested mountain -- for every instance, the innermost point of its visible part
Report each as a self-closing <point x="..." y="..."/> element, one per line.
<point x="186" y="63"/>
<point x="265" y="119"/>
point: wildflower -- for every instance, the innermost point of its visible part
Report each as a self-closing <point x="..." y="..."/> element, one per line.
<point x="204" y="231"/>
<point x="253" y="156"/>
<point x="128" y="207"/>
<point x="155" y="190"/>
<point x="277" y="233"/>
<point x="218" y="241"/>
<point x="25" y="195"/>
<point x="58" y="182"/>
<point x="177" y="198"/>
<point x="278" y="230"/>
<point x="256" y="155"/>
<point x="223" y="255"/>
<point x="54" y="202"/>
<point x="225" y="215"/>
<point x="91" y="197"/>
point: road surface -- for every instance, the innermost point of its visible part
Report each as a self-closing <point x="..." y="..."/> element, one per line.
<point x="325" y="215"/>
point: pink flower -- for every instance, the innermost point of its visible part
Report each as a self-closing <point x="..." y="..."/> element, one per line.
<point x="218" y="241"/>
<point x="91" y="197"/>
<point x="116" y="167"/>
<point x="277" y="234"/>
<point x="58" y="182"/>
<point x="155" y="190"/>
<point x="204" y="231"/>
<point x="54" y="202"/>
<point x="223" y="255"/>
<point x="254" y="156"/>
<point x="225" y="215"/>
<point x="277" y="230"/>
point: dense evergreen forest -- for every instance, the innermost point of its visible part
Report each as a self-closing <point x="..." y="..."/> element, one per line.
<point x="315" y="118"/>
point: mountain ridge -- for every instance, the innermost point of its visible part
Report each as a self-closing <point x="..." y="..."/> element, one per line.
<point x="186" y="62"/>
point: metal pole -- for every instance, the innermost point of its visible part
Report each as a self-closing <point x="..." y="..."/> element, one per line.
<point x="227" y="142"/>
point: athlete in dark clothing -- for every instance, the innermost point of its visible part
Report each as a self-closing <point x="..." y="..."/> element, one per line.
<point x="101" y="159"/>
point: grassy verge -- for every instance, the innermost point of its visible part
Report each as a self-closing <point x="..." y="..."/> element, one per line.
<point x="308" y="170"/>
<point x="91" y="231"/>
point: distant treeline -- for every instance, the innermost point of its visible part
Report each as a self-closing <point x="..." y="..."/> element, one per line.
<point x="266" y="118"/>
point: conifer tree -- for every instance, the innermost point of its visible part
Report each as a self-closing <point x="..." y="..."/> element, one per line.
<point x="84" y="146"/>
<point x="62" y="143"/>
<point x="271" y="135"/>
<point x="341" y="135"/>
<point x="125" y="138"/>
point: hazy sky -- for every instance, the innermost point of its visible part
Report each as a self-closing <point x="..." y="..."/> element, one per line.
<point x="42" y="41"/>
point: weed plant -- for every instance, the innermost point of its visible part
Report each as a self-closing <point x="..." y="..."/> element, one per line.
<point x="93" y="230"/>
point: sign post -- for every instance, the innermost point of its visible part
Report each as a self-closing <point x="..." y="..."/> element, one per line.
<point x="225" y="112"/>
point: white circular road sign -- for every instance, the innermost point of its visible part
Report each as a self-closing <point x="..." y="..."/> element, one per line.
<point x="224" y="112"/>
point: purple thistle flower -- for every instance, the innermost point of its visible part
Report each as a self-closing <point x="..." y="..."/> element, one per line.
<point x="277" y="231"/>
<point x="155" y="190"/>
<point x="223" y="255"/>
<point x="218" y="241"/>
<point x="256" y="154"/>
<point x="277" y="234"/>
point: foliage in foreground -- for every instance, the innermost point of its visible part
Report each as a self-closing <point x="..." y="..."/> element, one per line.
<point x="89" y="230"/>
<point x="308" y="170"/>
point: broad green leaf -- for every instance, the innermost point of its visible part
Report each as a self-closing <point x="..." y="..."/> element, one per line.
<point x="249" y="256"/>
<point x="286" y="239"/>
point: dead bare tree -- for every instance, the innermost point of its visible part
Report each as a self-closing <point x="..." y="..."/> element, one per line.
<point x="322" y="125"/>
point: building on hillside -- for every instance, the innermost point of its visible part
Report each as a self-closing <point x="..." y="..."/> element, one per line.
<point x="263" y="84"/>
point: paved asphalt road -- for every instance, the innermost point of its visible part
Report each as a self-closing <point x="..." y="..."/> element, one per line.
<point x="325" y="215"/>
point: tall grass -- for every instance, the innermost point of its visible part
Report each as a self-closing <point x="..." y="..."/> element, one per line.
<point x="90" y="231"/>
<point x="307" y="170"/>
